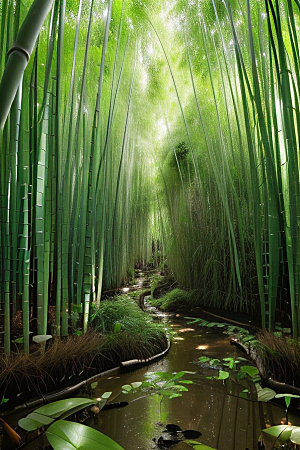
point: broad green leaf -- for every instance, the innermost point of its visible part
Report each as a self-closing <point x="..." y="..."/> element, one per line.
<point x="265" y="394"/>
<point x="203" y="359"/>
<point x="175" y="395"/>
<point x="280" y="433"/>
<point x="94" y="385"/>
<point x="223" y="375"/>
<point x="74" y="436"/>
<point x="34" y="421"/>
<point x="136" y="384"/>
<point x="295" y="436"/>
<point x="250" y="370"/>
<point x="180" y="388"/>
<point x="106" y="394"/>
<point x="57" y="409"/>
<point x="127" y="388"/>
<point x="166" y="393"/>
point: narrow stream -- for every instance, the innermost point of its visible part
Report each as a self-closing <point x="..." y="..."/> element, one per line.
<point x="225" y="421"/>
<point x="212" y="407"/>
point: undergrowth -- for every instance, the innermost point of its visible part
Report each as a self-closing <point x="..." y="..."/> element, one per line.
<point x="119" y="331"/>
<point x="176" y="299"/>
<point x="280" y="357"/>
<point x="128" y="329"/>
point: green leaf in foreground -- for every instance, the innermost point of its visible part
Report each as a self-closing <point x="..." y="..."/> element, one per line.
<point x="34" y="421"/>
<point x="295" y="436"/>
<point x="279" y="433"/>
<point x="265" y="394"/>
<point x="57" y="409"/>
<point x="60" y="409"/>
<point x="75" y="436"/>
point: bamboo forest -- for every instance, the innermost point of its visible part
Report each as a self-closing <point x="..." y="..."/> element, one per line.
<point x="149" y="224"/>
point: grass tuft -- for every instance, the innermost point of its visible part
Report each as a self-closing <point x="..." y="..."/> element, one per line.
<point x="280" y="356"/>
<point x="176" y="299"/>
<point x="120" y="331"/>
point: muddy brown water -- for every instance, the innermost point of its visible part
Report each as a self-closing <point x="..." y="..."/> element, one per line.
<point x="225" y="421"/>
<point x="211" y="407"/>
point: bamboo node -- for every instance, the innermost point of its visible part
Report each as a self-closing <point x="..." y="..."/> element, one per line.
<point x="17" y="47"/>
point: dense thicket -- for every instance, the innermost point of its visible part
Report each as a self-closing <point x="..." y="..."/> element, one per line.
<point x="139" y="121"/>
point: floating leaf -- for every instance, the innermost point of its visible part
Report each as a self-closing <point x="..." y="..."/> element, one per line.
<point x="106" y="394"/>
<point x="250" y="370"/>
<point x="75" y="436"/>
<point x="203" y="359"/>
<point x="94" y="385"/>
<point x="126" y="388"/>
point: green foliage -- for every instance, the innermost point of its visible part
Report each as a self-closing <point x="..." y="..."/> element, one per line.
<point x="189" y="137"/>
<point x="69" y="435"/>
<point x="280" y="434"/>
<point x="128" y="328"/>
<point x="175" y="299"/>
<point x="56" y="410"/>
<point x="163" y="384"/>
<point x="75" y="436"/>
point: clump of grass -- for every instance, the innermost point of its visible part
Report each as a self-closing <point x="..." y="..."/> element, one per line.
<point x="121" y="331"/>
<point x="65" y="362"/>
<point x="129" y="332"/>
<point x="280" y="357"/>
<point x="176" y="299"/>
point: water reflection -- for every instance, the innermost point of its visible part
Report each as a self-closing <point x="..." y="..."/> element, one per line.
<point x="226" y="421"/>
